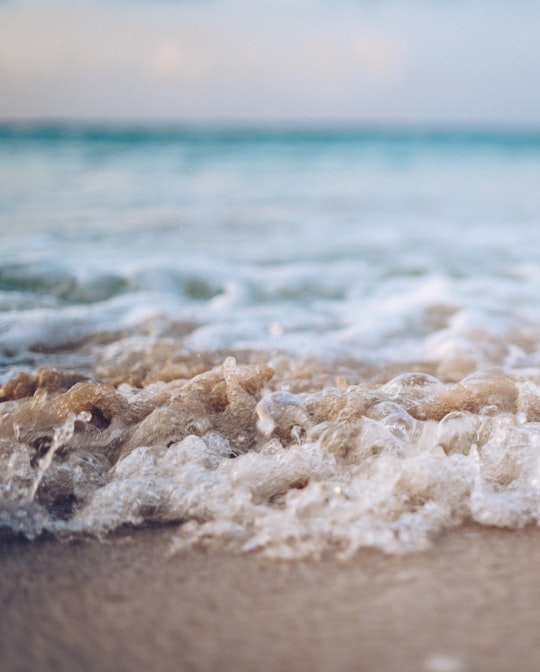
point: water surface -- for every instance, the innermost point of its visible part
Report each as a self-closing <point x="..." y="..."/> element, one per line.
<point x="298" y="341"/>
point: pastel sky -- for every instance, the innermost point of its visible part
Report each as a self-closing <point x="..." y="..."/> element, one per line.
<point x="367" y="61"/>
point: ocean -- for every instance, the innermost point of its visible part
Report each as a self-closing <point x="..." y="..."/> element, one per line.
<point x="297" y="342"/>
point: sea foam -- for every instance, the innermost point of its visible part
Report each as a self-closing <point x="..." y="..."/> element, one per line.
<point x="240" y="463"/>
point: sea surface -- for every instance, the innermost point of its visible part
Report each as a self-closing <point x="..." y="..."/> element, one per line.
<point x="292" y="341"/>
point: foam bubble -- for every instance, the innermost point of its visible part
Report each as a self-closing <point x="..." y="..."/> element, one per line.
<point x="240" y="463"/>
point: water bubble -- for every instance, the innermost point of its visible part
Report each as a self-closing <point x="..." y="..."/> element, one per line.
<point x="456" y="432"/>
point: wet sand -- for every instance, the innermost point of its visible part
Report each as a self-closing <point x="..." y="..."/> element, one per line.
<point x="470" y="603"/>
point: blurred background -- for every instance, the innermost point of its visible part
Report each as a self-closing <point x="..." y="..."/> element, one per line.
<point x="352" y="179"/>
<point x="412" y="62"/>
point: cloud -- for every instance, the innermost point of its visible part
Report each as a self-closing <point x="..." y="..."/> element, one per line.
<point x="195" y="59"/>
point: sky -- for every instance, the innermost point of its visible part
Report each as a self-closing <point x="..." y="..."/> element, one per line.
<point x="436" y="62"/>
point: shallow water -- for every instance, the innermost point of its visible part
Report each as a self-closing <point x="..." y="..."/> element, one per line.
<point x="299" y="343"/>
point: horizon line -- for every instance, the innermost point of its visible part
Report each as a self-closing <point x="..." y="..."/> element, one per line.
<point x="263" y="124"/>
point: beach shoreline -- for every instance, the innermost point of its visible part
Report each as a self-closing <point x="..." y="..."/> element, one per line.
<point x="468" y="603"/>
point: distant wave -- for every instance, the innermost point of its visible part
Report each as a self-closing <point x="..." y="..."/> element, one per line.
<point x="510" y="139"/>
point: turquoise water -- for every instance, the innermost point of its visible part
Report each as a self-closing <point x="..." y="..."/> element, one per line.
<point x="318" y="231"/>
<point x="351" y="314"/>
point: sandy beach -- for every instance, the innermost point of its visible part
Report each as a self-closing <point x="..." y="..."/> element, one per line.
<point x="470" y="603"/>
